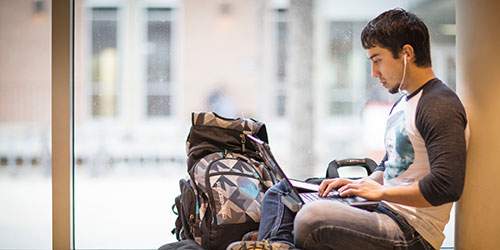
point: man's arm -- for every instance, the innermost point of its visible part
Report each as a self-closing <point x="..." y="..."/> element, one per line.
<point x="442" y="122"/>
<point x="377" y="176"/>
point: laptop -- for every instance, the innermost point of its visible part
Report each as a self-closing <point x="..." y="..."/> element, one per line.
<point x="294" y="200"/>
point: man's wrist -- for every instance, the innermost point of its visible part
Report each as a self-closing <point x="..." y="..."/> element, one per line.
<point x="377" y="176"/>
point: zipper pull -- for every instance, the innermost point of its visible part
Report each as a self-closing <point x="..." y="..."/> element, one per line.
<point x="243" y="140"/>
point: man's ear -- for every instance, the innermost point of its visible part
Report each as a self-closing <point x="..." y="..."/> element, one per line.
<point x="409" y="52"/>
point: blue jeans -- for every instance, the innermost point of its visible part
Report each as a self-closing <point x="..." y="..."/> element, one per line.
<point x="334" y="225"/>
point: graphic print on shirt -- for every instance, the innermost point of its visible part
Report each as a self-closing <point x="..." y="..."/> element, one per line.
<point x="398" y="145"/>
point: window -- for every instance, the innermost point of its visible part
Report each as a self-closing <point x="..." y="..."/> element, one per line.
<point x="104" y="43"/>
<point x="158" y="62"/>
<point x="341" y="53"/>
<point x="25" y="129"/>
<point x="125" y="162"/>
<point x="146" y="65"/>
<point x="128" y="56"/>
<point x="349" y="81"/>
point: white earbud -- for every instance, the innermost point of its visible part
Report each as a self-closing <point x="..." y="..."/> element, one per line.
<point x="402" y="91"/>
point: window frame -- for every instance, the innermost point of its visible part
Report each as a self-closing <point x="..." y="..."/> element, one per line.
<point x="62" y="80"/>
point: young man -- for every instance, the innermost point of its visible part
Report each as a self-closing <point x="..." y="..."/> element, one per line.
<point x="421" y="175"/>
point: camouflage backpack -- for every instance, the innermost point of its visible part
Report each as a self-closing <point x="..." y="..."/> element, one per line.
<point x="221" y="201"/>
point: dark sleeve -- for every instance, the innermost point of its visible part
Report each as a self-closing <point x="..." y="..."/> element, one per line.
<point x="441" y="120"/>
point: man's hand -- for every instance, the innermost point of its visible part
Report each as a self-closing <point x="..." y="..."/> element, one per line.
<point x="343" y="185"/>
<point x="370" y="188"/>
<point x="329" y="184"/>
<point x="366" y="188"/>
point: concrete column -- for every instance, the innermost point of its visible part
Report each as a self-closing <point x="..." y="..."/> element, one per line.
<point x="478" y="75"/>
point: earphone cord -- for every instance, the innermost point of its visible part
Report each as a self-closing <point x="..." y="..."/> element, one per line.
<point x="400" y="90"/>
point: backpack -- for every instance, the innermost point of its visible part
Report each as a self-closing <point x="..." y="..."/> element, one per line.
<point x="221" y="199"/>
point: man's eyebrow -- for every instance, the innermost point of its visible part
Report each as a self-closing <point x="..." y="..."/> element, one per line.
<point x="374" y="55"/>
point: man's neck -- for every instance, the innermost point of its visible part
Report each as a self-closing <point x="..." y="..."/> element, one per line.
<point x="418" y="77"/>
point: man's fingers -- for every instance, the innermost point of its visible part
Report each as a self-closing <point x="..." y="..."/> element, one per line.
<point x="333" y="185"/>
<point x="348" y="190"/>
<point x="328" y="189"/>
<point x="324" y="184"/>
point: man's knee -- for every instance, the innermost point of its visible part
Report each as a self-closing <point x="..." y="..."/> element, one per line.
<point x="275" y="191"/>
<point x="313" y="216"/>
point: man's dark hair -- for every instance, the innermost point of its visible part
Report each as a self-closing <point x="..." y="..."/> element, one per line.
<point x="395" y="28"/>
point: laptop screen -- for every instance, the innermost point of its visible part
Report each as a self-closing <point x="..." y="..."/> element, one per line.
<point x="267" y="156"/>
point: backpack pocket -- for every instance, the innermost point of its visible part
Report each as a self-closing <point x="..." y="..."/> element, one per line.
<point x="187" y="208"/>
<point x="235" y="192"/>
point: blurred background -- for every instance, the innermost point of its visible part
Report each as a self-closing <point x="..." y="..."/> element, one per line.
<point x="142" y="67"/>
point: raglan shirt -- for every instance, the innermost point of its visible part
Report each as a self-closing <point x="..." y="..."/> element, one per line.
<point x="425" y="141"/>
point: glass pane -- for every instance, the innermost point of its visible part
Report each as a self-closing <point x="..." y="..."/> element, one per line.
<point x="104" y="61"/>
<point x="25" y="131"/>
<point x="127" y="163"/>
<point x="341" y="50"/>
<point x="142" y="67"/>
<point x="159" y="60"/>
<point x="157" y="105"/>
<point x="159" y="41"/>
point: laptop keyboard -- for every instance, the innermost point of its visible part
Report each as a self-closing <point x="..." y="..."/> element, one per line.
<point x="333" y="195"/>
